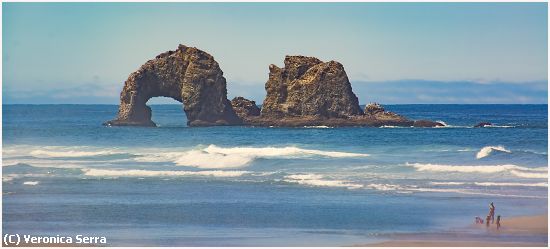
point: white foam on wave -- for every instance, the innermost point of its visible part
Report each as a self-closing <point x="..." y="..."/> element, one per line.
<point x="159" y="173"/>
<point x="498" y="126"/>
<point x="198" y="158"/>
<point x="279" y="151"/>
<point x="445" y="125"/>
<point x="317" y="127"/>
<point x="384" y="187"/>
<point x="529" y="174"/>
<point x="461" y="191"/>
<point x="487" y="150"/>
<point x="413" y="189"/>
<point x="442" y="122"/>
<point x="317" y="180"/>
<point x="512" y="184"/>
<point x="32" y="183"/>
<point x="61" y="164"/>
<point x="499" y="184"/>
<point x="8" y="178"/>
<point x="471" y="169"/>
<point x="235" y="157"/>
<point x="448" y="183"/>
<point x="70" y="153"/>
<point x="541" y="172"/>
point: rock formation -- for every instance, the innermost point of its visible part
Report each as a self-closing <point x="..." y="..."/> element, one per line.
<point x="188" y="75"/>
<point x="309" y="92"/>
<point x="305" y="92"/>
<point x="307" y="86"/>
<point x="245" y="108"/>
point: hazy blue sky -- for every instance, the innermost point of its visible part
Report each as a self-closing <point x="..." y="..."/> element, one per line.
<point x="392" y="52"/>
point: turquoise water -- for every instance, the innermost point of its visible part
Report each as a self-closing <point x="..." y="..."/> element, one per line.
<point x="64" y="173"/>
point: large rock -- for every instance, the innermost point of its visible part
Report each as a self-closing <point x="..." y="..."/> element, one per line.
<point x="245" y="108"/>
<point x="188" y="75"/>
<point x="309" y="92"/>
<point x="307" y="86"/>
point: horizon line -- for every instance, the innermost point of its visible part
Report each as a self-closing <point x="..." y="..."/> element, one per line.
<point x="261" y="105"/>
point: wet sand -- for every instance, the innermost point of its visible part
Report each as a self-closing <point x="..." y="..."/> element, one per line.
<point x="524" y="231"/>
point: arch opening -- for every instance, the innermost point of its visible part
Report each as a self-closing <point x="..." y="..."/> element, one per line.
<point x="167" y="112"/>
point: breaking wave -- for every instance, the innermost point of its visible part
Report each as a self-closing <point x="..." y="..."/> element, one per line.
<point x="32" y="183"/>
<point x="384" y="187"/>
<point x="487" y="150"/>
<point x="70" y="153"/>
<point x="541" y="172"/>
<point x="155" y="173"/>
<point x="499" y="126"/>
<point x="414" y="189"/>
<point x="235" y="157"/>
<point x="317" y="180"/>
<point x="275" y="152"/>
<point x="489" y="184"/>
<point x="529" y="174"/>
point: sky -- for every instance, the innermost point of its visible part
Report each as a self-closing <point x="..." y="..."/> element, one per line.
<point x="393" y="53"/>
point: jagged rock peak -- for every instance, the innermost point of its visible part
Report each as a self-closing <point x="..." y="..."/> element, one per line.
<point x="306" y="86"/>
<point x="373" y="108"/>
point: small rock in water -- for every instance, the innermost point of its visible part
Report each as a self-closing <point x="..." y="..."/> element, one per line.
<point x="482" y="124"/>
<point x="427" y="123"/>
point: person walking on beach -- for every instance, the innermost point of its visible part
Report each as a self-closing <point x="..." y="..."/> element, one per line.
<point x="498" y="222"/>
<point x="492" y="212"/>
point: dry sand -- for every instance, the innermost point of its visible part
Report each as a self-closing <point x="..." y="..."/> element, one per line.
<point x="524" y="231"/>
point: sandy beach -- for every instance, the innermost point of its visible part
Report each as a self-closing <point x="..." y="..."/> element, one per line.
<point x="522" y="231"/>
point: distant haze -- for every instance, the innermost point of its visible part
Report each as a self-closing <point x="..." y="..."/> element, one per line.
<point x="393" y="52"/>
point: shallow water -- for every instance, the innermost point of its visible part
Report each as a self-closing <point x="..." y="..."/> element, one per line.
<point x="64" y="173"/>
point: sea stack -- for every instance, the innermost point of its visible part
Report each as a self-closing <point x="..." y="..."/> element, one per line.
<point x="310" y="92"/>
<point x="188" y="75"/>
<point x="306" y="86"/>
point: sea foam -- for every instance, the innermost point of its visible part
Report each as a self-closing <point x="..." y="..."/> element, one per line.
<point x="157" y="173"/>
<point x="541" y="172"/>
<point x="317" y="180"/>
<point x="529" y="174"/>
<point x="235" y="157"/>
<point x="414" y="189"/>
<point x="70" y="153"/>
<point x="498" y="184"/>
<point x="487" y="150"/>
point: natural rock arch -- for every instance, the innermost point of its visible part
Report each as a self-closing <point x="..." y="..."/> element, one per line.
<point x="188" y="75"/>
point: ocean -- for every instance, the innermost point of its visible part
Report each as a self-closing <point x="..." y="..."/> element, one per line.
<point x="66" y="174"/>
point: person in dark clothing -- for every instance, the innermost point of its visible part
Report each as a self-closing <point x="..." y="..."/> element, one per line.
<point x="492" y="212"/>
